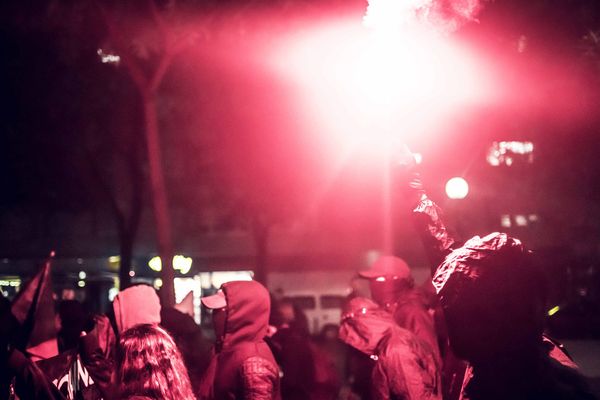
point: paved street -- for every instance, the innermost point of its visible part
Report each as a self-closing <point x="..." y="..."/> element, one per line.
<point x="587" y="355"/>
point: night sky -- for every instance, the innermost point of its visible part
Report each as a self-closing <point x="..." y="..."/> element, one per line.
<point x="234" y="142"/>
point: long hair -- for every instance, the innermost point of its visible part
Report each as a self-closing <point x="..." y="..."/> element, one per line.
<point x="150" y="365"/>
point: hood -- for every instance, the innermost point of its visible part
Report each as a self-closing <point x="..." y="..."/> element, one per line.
<point x="489" y="260"/>
<point x="493" y="298"/>
<point x="364" y="324"/>
<point x="248" y="308"/>
<point x="136" y="305"/>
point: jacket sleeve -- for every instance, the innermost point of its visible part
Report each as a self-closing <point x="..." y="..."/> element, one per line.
<point x="96" y="350"/>
<point x="427" y="219"/>
<point x="410" y="372"/>
<point x="418" y="320"/>
<point x="380" y="386"/>
<point x="260" y="379"/>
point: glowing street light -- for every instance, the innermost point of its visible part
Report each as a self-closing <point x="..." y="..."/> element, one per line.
<point x="457" y="188"/>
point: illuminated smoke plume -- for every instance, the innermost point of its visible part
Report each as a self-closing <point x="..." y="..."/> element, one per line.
<point x="442" y="15"/>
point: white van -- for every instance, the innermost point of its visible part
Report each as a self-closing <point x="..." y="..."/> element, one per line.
<point x="319" y="294"/>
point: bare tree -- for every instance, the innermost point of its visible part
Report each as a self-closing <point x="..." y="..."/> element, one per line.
<point x="147" y="65"/>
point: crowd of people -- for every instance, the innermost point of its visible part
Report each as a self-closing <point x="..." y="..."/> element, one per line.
<point x="474" y="331"/>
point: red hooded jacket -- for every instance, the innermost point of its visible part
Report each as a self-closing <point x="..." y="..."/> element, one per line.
<point x="243" y="367"/>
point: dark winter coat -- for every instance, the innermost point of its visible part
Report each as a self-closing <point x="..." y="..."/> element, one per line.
<point x="552" y="375"/>
<point x="496" y="268"/>
<point x="242" y="366"/>
<point x="405" y="368"/>
<point x="292" y="352"/>
<point x="411" y="313"/>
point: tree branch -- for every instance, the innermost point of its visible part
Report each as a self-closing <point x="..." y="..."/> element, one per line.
<point x="135" y="71"/>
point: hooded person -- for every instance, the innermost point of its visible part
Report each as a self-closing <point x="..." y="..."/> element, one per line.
<point x="493" y="303"/>
<point x="242" y="365"/>
<point x="392" y="287"/>
<point x="136" y="305"/>
<point x="194" y="347"/>
<point x="405" y="366"/>
<point x="291" y="347"/>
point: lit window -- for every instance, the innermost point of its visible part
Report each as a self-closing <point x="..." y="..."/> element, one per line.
<point x="505" y="221"/>
<point x="521" y="220"/>
<point x="506" y="153"/>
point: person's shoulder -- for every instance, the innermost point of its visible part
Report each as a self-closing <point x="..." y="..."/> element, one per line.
<point x="400" y="342"/>
<point x="259" y="365"/>
<point x="414" y="298"/>
<point x="396" y="340"/>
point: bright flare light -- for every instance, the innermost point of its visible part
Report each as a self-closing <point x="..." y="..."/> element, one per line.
<point x="457" y="188"/>
<point x="369" y="90"/>
<point x="389" y="14"/>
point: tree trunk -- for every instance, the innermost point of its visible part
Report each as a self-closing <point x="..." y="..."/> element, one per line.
<point x="159" y="198"/>
<point x="130" y="222"/>
<point x="261" y="243"/>
<point x="126" y="255"/>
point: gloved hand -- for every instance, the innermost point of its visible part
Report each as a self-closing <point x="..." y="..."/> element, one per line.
<point x="406" y="174"/>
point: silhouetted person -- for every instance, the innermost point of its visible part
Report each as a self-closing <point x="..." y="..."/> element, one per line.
<point x="493" y="303"/>
<point x="192" y="344"/>
<point x="242" y="366"/>
<point x="73" y="320"/>
<point x="291" y="348"/>
<point x="329" y="355"/>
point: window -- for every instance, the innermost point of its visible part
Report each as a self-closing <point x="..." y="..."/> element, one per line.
<point x="304" y="302"/>
<point x="332" y="301"/>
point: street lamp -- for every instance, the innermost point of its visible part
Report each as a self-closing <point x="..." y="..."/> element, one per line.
<point x="457" y="188"/>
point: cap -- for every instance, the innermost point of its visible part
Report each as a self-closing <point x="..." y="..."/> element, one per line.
<point x="388" y="266"/>
<point x="217" y="300"/>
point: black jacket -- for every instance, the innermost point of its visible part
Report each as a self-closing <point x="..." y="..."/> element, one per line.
<point x="406" y="368"/>
<point x="540" y="371"/>
<point x="242" y="366"/>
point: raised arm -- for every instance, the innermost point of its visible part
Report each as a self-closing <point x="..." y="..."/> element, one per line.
<point x="426" y="215"/>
